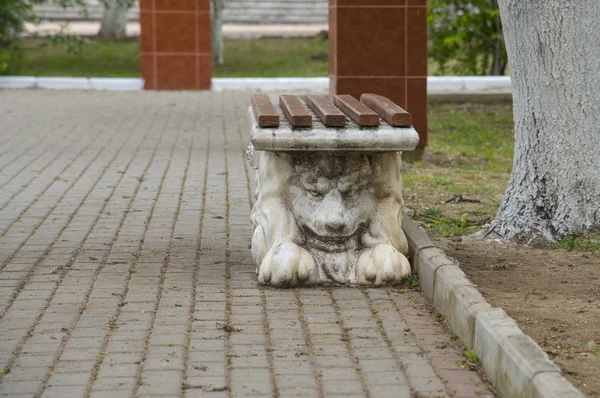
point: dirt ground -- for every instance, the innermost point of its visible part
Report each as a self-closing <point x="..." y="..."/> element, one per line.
<point x="554" y="295"/>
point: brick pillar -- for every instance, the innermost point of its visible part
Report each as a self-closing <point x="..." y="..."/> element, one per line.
<point x="175" y="44"/>
<point x="380" y="46"/>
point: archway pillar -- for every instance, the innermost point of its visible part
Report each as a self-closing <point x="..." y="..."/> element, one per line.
<point x="380" y="46"/>
<point x="175" y="44"/>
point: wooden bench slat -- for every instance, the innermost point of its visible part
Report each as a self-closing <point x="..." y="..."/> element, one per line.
<point x="387" y="109"/>
<point x="294" y="111"/>
<point x="357" y="111"/>
<point x="264" y="112"/>
<point x="326" y="111"/>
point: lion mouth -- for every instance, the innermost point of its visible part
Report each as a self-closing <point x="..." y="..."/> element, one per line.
<point x="332" y="243"/>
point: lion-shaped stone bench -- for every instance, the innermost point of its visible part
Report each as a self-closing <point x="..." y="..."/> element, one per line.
<point x="328" y="199"/>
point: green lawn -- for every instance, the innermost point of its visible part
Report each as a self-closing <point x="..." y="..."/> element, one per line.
<point x="275" y="58"/>
<point x="43" y="57"/>
<point x="243" y="58"/>
<point x="470" y="154"/>
<point x="255" y="58"/>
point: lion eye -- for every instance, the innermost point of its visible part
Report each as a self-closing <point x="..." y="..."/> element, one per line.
<point x="315" y="194"/>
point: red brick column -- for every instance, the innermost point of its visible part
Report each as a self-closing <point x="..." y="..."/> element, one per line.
<point x="380" y="46"/>
<point x="175" y="44"/>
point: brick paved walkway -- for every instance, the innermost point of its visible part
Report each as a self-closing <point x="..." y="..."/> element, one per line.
<point x="125" y="267"/>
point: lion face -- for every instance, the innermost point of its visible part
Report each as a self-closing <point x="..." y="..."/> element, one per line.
<point x="331" y="199"/>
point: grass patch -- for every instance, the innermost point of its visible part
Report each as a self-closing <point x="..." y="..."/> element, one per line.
<point x="275" y="58"/>
<point x="441" y="181"/>
<point x="479" y="135"/>
<point x="587" y="241"/>
<point x="432" y="212"/>
<point x="410" y="281"/>
<point x="454" y="226"/>
<point x="470" y="154"/>
<point x="44" y="57"/>
<point x="266" y="57"/>
<point x="256" y="58"/>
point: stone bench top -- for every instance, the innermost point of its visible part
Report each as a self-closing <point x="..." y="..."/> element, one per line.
<point x="319" y="124"/>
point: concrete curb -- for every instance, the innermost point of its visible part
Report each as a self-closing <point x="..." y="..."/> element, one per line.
<point x="70" y="83"/>
<point x="443" y="84"/>
<point x="270" y="83"/>
<point x="515" y="365"/>
<point x="436" y="85"/>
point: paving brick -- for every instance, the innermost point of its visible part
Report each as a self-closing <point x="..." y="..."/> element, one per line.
<point x="344" y="387"/>
<point x="298" y="392"/>
<point x="64" y="392"/>
<point x="69" y="379"/>
<point x="21" y="387"/>
<point x="251" y="387"/>
<point x="160" y="383"/>
<point x="111" y="394"/>
<point x="386" y="391"/>
<point x="199" y="393"/>
<point x="115" y="383"/>
<point x="113" y="201"/>
<point x="26" y="374"/>
<point x="126" y="370"/>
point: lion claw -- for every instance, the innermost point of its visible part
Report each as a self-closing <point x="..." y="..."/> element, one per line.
<point x="287" y="265"/>
<point x="382" y="264"/>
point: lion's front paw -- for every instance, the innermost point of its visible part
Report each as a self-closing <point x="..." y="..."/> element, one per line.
<point x="382" y="264"/>
<point x="287" y="264"/>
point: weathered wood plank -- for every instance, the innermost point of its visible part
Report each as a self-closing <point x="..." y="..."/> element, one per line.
<point x="294" y="111"/>
<point x="357" y="111"/>
<point x="264" y="111"/>
<point x="388" y="110"/>
<point x="326" y="111"/>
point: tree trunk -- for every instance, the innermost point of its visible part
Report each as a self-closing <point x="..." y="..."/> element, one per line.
<point x="217" y="36"/>
<point x="114" y="20"/>
<point x="554" y="56"/>
<point x="496" y="69"/>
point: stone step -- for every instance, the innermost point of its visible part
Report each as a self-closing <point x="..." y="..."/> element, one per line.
<point x="270" y="11"/>
<point x="276" y="5"/>
<point x="275" y="20"/>
<point x="252" y="12"/>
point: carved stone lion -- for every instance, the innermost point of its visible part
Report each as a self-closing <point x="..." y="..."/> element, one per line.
<point x="328" y="217"/>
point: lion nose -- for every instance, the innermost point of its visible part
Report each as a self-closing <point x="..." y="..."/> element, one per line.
<point x="335" y="226"/>
<point x="333" y="217"/>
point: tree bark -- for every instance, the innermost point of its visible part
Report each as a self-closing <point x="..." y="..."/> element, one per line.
<point x="554" y="56"/>
<point x="217" y="36"/>
<point x="114" y="20"/>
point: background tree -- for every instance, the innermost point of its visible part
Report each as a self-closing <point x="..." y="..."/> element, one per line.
<point x="217" y="31"/>
<point x="114" y="19"/>
<point x="466" y="37"/>
<point x="13" y="16"/>
<point x="554" y="53"/>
